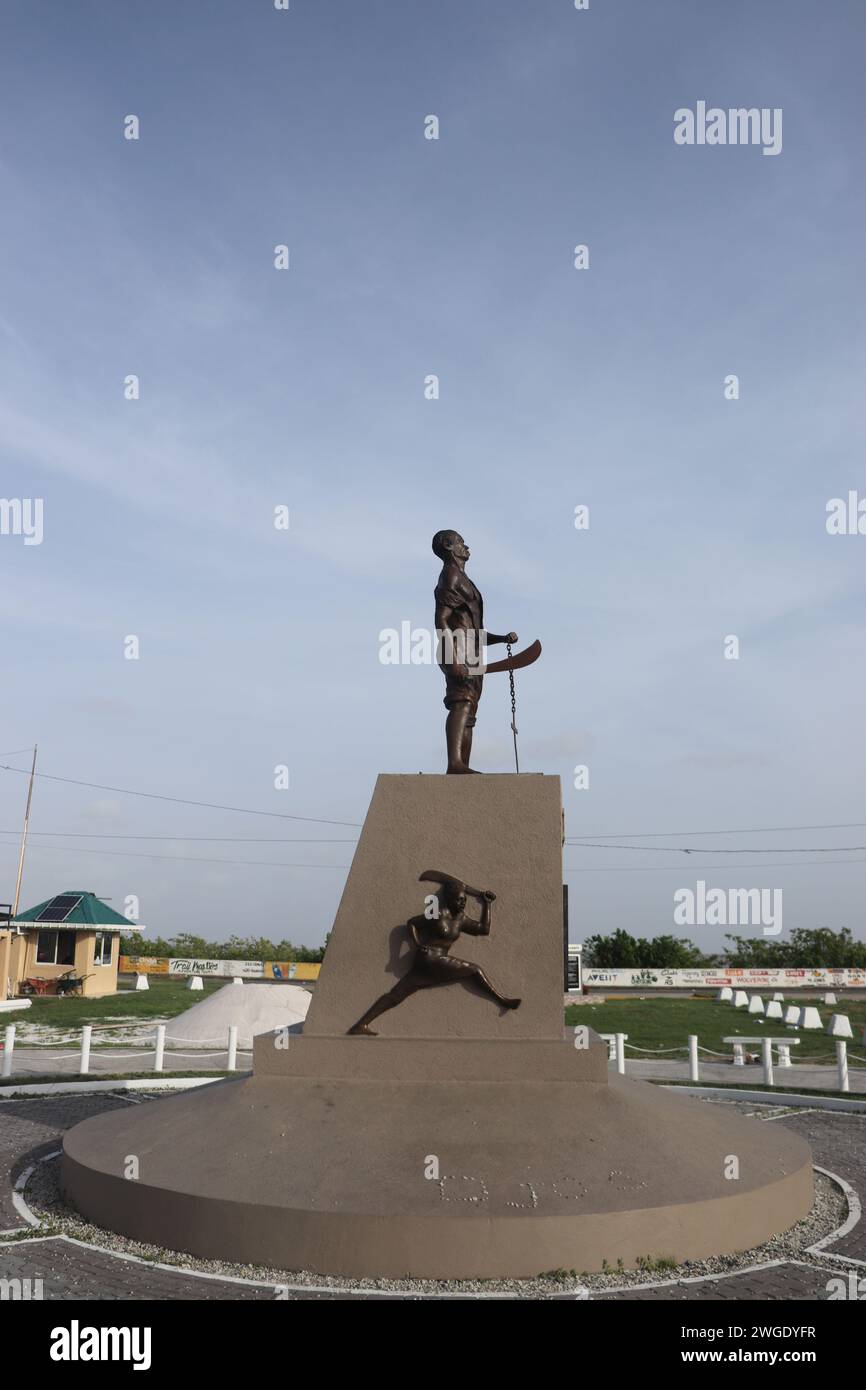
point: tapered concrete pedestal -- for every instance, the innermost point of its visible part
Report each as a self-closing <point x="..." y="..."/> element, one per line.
<point x="464" y="1141"/>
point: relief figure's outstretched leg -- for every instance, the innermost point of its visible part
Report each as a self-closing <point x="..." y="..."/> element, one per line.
<point x="403" y="988"/>
<point x="468" y="970"/>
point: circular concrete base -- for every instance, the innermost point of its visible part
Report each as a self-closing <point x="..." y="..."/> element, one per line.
<point x="438" y="1180"/>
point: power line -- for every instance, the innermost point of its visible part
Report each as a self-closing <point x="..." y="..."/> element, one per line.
<point x="279" y="864"/>
<point x="332" y="840"/>
<point x="180" y="800"/>
<point x="752" y="830"/>
<point x="713" y="868"/>
<point x="355" y="825"/>
<point x="215" y="839"/>
<point x="181" y="858"/>
<point x="704" y="849"/>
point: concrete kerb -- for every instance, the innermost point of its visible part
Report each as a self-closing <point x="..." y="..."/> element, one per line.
<point x="855" y="1212"/>
<point x="818" y="1249"/>
<point x="159" y="1082"/>
<point x="21" y="1179"/>
<point x="579" y="1293"/>
<point x="814" y="1100"/>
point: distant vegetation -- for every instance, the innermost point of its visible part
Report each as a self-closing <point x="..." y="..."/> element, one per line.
<point x="236" y="948"/>
<point x="623" y="952"/>
<point x="804" y="949"/>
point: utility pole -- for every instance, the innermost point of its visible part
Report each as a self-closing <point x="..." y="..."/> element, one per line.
<point x="24" y="835"/>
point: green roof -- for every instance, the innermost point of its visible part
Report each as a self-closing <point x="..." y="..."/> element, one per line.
<point x="90" y="911"/>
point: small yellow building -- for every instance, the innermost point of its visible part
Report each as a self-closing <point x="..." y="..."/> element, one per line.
<point x="69" y="943"/>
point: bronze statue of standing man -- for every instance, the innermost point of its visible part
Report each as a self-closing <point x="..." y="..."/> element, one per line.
<point x="460" y="627"/>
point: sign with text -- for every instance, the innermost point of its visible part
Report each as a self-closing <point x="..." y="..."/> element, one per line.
<point x="221" y="969"/>
<point x="187" y="966"/>
<point x="716" y="978"/>
<point x="143" y="965"/>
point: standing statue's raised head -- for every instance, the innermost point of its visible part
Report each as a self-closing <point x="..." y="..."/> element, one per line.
<point x="450" y="545"/>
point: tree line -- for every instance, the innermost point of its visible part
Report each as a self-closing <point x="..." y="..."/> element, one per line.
<point x="186" y="945"/>
<point x="805" y="949"/>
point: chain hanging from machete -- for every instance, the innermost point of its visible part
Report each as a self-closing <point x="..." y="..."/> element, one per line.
<point x="512" y="664"/>
<point x="513" y="711"/>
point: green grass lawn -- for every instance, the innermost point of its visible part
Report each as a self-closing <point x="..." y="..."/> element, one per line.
<point x="166" y="998"/>
<point x="650" y="1023"/>
<point x="656" y="1023"/>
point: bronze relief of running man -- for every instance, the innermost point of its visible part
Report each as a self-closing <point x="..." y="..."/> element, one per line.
<point x="433" y="939"/>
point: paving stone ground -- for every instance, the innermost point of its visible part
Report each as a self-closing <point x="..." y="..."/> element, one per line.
<point x="28" y="1124"/>
<point x="838" y="1143"/>
<point x="77" y="1273"/>
<point x="788" y="1282"/>
<point x="71" y="1271"/>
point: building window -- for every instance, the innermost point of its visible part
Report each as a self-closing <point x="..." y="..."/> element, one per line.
<point x="102" y="948"/>
<point x="55" y="948"/>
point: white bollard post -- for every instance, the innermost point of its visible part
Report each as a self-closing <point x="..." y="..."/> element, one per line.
<point x="739" y="1059"/>
<point x="842" y="1063"/>
<point x="233" y="1046"/>
<point x="767" y="1049"/>
<point x="784" y="1054"/>
<point x="8" y="1048"/>
<point x="694" y="1074"/>
<point x="160" y="1047"/>
<point x="620" y="1053"/>
<point x="84" y="1066"/>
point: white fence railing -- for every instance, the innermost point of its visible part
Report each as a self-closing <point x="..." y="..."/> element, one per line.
<point x="617" y="1043"/>
<point x="158" y="1051"/>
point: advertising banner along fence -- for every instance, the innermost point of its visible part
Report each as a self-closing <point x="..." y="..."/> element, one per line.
<point x="225" y="969"/>
<point x="824" y="978"/>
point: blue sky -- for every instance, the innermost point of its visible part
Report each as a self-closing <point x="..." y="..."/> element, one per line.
<point x="557" y="387"/>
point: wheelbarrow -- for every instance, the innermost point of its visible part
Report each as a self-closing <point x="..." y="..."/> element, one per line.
<point x="35" y="984"/>
<point x="71" y="983"/>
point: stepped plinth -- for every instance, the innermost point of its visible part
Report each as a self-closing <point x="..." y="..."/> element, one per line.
<point x="469" y="1138"/>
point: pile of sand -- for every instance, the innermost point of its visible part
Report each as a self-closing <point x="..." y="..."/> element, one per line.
<point x="254" y="1008"/>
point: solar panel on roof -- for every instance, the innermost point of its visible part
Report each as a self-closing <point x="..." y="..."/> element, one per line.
<point x="59" y="908"/>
